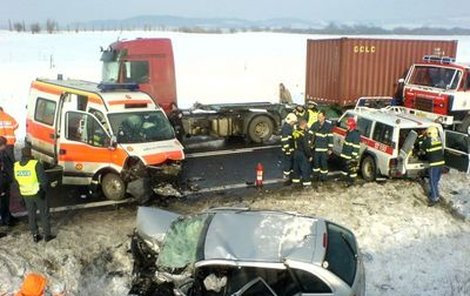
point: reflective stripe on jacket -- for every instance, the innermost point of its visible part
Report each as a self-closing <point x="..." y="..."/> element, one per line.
<point x="8" y="126"/>
<point x="323" y="136"/>
<point x="287" y="145"/>
<point x="27" y="178"/>
<point x="434" y="152"/>
<point x="351" y="145"/>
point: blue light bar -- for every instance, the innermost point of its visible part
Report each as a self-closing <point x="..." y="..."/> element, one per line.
<point x="442" y="60"/>
<point x="109" y="86"/>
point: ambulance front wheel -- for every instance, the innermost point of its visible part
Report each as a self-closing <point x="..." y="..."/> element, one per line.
<point x="113" y="187"/>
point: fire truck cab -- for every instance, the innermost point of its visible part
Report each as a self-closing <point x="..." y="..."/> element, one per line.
<point x="104" y="135"/>
<point x="441" y="86"/>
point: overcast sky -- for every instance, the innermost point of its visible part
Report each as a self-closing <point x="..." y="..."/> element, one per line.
<point x="65" y="11"/>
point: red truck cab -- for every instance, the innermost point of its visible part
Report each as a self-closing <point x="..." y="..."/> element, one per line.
<point x="148" y="62"/>
<point x="439" y="85"/>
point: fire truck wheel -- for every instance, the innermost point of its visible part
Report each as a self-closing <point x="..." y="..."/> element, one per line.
<point x="464" y="127"/>
<point x="113" y="187"/>
<point x="368" y="169"/>
<point x="260" y="129"/>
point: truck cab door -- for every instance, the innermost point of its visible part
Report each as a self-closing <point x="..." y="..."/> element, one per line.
<point x="83" y="147"/>
<point x="457" y="151"/>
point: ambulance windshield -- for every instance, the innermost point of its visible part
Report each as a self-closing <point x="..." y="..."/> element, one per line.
<point x="141" y="127"/>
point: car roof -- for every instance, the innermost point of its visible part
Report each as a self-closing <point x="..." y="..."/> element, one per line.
<point x="403" y="120"/>
<point x="264" y="236"/>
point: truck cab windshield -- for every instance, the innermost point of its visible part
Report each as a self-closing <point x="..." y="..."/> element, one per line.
<point x="437" y="77"/>
<point x="141" y="127"/>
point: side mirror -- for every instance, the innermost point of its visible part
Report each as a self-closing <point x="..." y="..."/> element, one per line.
<point x="401" y="81"/>
<point x="112" y="143"/>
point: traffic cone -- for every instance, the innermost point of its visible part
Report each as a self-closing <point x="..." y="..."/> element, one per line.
<point x="259" y="175"/>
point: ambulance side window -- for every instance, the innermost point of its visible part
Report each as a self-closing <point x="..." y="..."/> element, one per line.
<point x="45" y="111"/>
<point x="383" y="133"/>
<point x="83" y="128"/>
<point x="364" y="126"/>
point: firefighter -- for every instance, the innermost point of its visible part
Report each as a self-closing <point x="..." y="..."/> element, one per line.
<point x="350" y="152"/>
<point x="8" y="126"/>
<point x="312" y="108"/>
<point x="302" y="154"/>
<point x="432" y="146"/>
<point x="287" y="145"/>
<point x="176" y="119"/>
<point x="308" y="115"/>
<point x="323" y="145"/>
<point x="32" y="184"/>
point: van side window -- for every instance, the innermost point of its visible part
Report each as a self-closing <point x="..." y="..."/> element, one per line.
<point x="458" y="141"/>
<point x="383" y="133"/>
<point x="100" y="116"/>
<point x="136" y="71"/>
<point x="81" y="127"/>
<point x="364" y="126"/>
<point x="45" y="111"/>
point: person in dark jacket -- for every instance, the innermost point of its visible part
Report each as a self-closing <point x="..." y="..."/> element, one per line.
<point x="176" y="120"/>
<point x="323" y="145"/>
<point x="287" y="144"/>
<point x="302" y="154"/>
<point x="6" y="177"/>
<point x="433" y="149"/>
<point x="350" y="152"/>
<point x="32" y="183"/>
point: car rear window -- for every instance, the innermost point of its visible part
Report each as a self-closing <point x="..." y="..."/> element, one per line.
<point x="341" y="253"/>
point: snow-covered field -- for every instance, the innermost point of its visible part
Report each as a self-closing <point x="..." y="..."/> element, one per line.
<point x="210" y="68"/>
<point x="410" y="249"/>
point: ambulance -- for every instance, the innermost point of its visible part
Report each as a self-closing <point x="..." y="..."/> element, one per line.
<point x="103" y="135"/>
<point x="389" y="141"/>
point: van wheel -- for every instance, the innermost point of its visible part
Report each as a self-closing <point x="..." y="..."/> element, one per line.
<point x="113" y="187"/>
<point x="260" y="129"/>
<point x="368" y="169"/>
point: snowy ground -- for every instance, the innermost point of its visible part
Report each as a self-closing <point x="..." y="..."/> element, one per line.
<point x="409" y="249"/>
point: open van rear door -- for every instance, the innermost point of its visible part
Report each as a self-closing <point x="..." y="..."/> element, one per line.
<point x="457" y="151"/>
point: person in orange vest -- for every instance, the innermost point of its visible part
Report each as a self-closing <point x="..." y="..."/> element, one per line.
<point x="6" y="177"/>
<point x="8" y="125"/>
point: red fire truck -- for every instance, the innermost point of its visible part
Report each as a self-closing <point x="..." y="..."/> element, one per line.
<point x="440" y="86"/>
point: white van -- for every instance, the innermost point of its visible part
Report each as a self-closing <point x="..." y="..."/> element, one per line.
<point x="106" y="134"/>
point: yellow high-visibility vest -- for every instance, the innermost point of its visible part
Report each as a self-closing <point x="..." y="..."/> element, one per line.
<point x="27" y="178"/>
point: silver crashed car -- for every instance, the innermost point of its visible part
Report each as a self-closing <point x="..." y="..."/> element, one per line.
<point x="231" y="251"/>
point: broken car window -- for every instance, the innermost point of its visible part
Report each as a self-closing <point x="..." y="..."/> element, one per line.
<point x="181" y="243"/>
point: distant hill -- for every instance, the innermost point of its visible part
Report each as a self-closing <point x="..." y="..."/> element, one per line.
<point x="145" y="21"/>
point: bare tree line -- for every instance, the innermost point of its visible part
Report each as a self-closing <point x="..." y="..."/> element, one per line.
<point x="51" y="26"/>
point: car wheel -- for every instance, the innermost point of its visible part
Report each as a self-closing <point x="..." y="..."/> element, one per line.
<point x="368" y="169"/>
<point x="260" y="129"/>
<point x="113" y="187"/>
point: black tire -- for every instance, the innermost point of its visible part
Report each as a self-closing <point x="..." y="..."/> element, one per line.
<point x="260" y="129"/>
<point x="368" y="169"/>
<point x="113" y="187"/>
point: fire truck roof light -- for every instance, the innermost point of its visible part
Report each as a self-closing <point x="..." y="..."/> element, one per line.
<point x="109" y="86"/>
<point x="442" y="60"/>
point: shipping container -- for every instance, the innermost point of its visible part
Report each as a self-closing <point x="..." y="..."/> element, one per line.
<point x="339" y="71"/>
